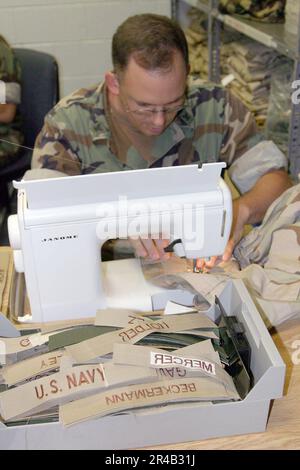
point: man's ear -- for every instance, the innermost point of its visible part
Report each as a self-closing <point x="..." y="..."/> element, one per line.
<point x="112" y="83"/>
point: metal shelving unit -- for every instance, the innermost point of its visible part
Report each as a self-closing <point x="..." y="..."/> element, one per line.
<point x="271" y="35"/>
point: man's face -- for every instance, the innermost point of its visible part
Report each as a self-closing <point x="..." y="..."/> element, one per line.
<point x="152" y="99"/>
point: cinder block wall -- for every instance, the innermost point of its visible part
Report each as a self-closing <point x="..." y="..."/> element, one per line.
<point x="78" y="33"/>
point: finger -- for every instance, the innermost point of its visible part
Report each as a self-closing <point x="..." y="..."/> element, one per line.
<point x="211" y="262"/>
<point x="138" y="247"/>
<point x="228" y="250"/>
<point x="205" y="266"/>
<point x="208" y="265"/>
<point x="150" y="248"/>
<point x="200" y="263"/>
<point x="160" y="245"/>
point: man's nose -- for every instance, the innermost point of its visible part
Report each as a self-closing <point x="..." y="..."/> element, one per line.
<point x="159" y="118"/>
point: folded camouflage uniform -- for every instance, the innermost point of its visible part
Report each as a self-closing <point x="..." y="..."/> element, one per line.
<point x="269" y="11"/>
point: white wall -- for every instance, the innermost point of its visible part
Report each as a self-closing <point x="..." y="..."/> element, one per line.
<point x="78" y="33"/>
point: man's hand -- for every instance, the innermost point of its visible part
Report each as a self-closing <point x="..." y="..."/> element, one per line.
<point x="151" y="249"/>
<point x="250" y="208"/>
<point x="240" y="215"/>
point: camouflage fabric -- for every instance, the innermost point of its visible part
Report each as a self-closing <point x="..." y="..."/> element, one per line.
<point x="274" y="248"/>
<point x="10" y="74"/>
<point x="275" y="244"/>
<point x="78" y="136"/>
<point x="270" y="11"/>
<point x="270" y="260"/>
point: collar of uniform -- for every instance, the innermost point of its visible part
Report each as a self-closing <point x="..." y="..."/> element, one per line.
<point x="181" y="128"/>
<point x="99" y="127"/>
<point x="185" y="118"/>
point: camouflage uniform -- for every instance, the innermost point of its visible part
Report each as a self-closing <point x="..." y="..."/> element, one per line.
<point x="269" y="11"/>
<point x="270" y="258"/>
<point x="10" y="74"/>
<point x="78" y="137"/>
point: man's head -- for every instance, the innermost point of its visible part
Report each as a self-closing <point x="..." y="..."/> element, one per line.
<point x="150" y="40"/>
<point x="150" y="59"/>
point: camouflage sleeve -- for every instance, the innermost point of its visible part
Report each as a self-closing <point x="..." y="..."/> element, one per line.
<point x="53" y="148"/>
<point x="244" y="149"/>
<point x="10" y="73"/>
<point x="241" y="132"/>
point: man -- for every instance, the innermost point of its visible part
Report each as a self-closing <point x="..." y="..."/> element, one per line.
<point x="144" y="116"/>
<point x="10" y="94"/>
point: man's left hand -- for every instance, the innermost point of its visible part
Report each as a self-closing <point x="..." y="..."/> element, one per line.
<point x="239" y="220"/>
<point x="250" y="208"/>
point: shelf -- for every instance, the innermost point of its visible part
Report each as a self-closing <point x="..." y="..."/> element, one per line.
<point x="202" y="5"/>
<point x="270" y="34"/>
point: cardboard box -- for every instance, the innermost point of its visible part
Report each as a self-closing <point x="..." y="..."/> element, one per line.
<point x="180" y="423"/>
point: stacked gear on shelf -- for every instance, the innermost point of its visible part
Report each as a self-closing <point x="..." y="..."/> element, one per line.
<point x="278" y="37"/>
<point x="268" y="11"/>
<point x="251" y="64"/>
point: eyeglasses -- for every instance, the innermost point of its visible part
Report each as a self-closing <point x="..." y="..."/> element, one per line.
<point x="148" y="112"/>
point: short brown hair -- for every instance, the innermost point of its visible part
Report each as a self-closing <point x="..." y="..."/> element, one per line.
<point x="151" y="39"/>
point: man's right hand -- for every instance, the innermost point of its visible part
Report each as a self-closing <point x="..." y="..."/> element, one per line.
<point x="150" y="249"/>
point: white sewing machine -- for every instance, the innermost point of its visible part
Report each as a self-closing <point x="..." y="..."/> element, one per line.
<point x="62" y="224"/>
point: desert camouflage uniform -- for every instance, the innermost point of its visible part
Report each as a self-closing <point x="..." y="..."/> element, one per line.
<point x="269" y="258"/>
<point x="78" y="139"/>
<point x="10" y="74"/>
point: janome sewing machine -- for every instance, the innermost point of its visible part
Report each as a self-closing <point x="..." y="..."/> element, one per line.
<point x="62" y="224"/>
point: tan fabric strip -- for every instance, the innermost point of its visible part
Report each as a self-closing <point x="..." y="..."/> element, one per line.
<point x="51" y="390"/>
<point x="137" y="396"/>
<point x="102" y="345"/>
<point x="32" y="367"/>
